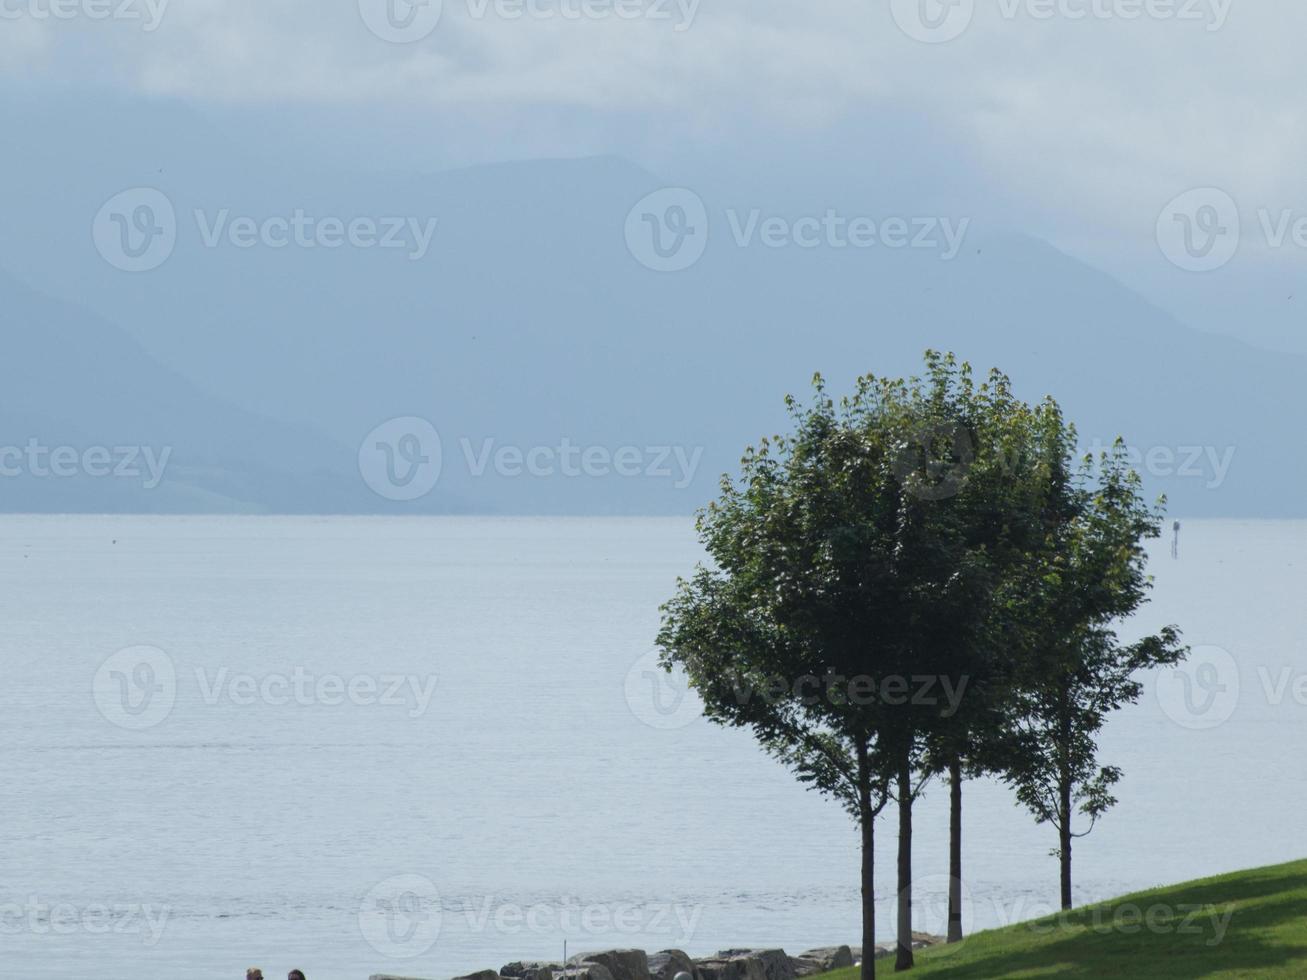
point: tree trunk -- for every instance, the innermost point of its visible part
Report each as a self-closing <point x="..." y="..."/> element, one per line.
<point x="903" y="957"/>
<point x="867" y="820"/>
<point x="955" y="851"/>
<point x="1064" y="843"/>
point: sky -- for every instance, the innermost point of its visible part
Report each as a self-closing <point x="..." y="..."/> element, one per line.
<point x="1084" y="119"/>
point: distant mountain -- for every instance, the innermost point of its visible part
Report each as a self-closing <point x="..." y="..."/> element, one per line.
<point x="528" y="334"/>
<point x="89" y="422"/>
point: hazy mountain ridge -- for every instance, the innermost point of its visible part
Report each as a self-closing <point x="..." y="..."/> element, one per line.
<point x="528" y="325"/>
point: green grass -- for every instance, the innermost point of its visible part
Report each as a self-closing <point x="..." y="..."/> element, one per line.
<point x="1266" y="936"/>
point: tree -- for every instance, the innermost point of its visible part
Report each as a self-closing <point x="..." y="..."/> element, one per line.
<point x="1076" y="671"/>
<point x="1027" y="500"/>
<point x="850" y="557"/>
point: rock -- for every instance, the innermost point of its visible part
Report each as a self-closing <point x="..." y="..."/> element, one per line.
<point x="665" y="964"/>
<point x="920" y="940"/>
<point x="480" y="975"/>
<point x="388" y="976"/>
<point x="775" y="964"/>
<point x="586" y="970"/>
<point x="623" y="964"/>
<point x="822" y="960"/>
<point x="530" y="970"/>
<point x="731" y="968"/>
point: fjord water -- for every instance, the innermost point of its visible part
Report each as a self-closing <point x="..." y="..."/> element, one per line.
<point x="540" y="789"/>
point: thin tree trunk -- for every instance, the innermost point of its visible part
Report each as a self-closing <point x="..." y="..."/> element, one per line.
<point x="955" y="851"/>
<point x="903" y="959"/>
<point x="867" y="819"/>
<point x="1064" y="844"/>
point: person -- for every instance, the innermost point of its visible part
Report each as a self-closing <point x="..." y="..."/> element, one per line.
<point x="295" y="975"/>
<point x="254" y="973"/>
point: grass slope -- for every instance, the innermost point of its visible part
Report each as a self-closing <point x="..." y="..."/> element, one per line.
<point x="1247" y="924"/>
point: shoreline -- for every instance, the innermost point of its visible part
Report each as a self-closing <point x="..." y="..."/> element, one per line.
<point x="671" y="964"/>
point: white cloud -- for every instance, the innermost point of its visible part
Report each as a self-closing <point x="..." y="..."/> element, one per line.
<point x="1101" y="107"/>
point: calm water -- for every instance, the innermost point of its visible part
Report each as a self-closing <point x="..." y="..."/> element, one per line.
<point x="417" y="746"/>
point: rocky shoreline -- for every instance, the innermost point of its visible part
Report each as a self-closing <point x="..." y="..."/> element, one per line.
<point x="669" y="964"/>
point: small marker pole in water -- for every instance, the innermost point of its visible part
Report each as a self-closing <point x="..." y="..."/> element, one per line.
<point x="1175" y="540"/>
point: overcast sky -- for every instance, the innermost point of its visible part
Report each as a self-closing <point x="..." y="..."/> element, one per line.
<point x="1089" y="116"/>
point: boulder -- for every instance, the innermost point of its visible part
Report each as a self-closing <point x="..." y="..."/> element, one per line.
<point x="623" y="964"/>
<point x="480" y="975"/>
<point x="530" y="970"/>
<point x="585" y="970"/>
<point x="920" y="940"/>
<point x="732" y="964"/>
<point x="775" y="964"/>
<point x="822" y="960"/>
<point x="665" y="964"/>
